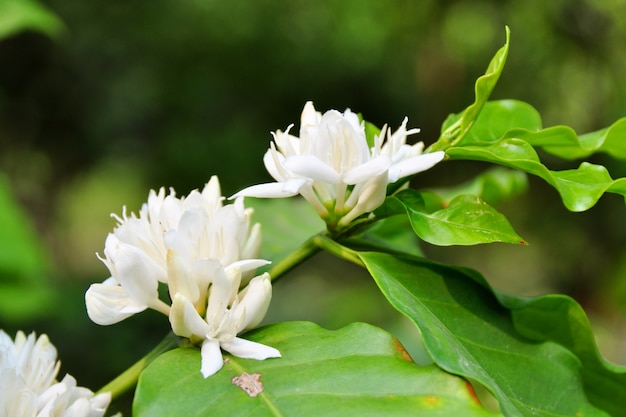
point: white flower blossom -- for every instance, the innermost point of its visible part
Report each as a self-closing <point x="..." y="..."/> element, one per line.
<point x="332" y="166"/>
<point x="28" y="384"/>
<point x="206" y="254"/>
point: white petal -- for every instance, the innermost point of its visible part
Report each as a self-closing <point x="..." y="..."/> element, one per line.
<point x="109" y="304"/>
<point x="248" y="264"/>
<point x="252" y="247"/>
<point x="353" y="119"/>
<point x="181" y="280"/>
<point x="223" y="288"/>
<point x="212" y="190"/>
<point x="185" y="320"/>
<point x="309" y="116"/>
<point x="268" y="190"/>
<point x="414" y="165"/>
<point x="368" y="170"/>
<point x="100" y="402"/>
<point x="249" y="350"/>
<point x="138" y="274"/>
<point x="310" y="166"/>
<point x="211" y="357"/>
<point x="203" y="271"/>
<point x="273" y="160"/>
<point x="370" y="196"/>
<point x="254" y="302"/>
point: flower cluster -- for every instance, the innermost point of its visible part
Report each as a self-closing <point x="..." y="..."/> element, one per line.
<point x="334" y="168"/>
<point x="206" y="253"/>
<point x="28" y="385"/>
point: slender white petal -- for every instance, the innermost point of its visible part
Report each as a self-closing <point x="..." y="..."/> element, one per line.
<point x="311" y="166"/>
<point x="246" y="265"/>
<point x="220" y="294"/>
<point x="414" y="165"/>
<point x="249" y="350"/>
<point x="372" y="168"/>
<point x="371" y="196"/>
<point x="108" y="304"/>
<point x="268" y="190"/>
<point x="212" y="360"/>
<point x="273" y="162"/>
<point x="181" y="280"/>
<point x="203" y="271"/>
<point x="185" y="320"/>
<point x="138" y="274"/>
<point x="255" y="300"/>
<point x="309" y="116"/>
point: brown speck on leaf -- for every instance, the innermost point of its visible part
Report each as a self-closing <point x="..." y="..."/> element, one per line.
<point x="400" y="348"/>
<point x="226" y="360"/>
<point x="250" y="383"/>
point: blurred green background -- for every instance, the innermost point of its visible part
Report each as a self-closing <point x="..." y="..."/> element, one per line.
<point x="100" y="101"/>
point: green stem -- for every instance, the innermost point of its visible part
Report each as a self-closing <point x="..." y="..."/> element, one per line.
<point x="329" y="245"/>
<point x="449" y="138"/>
<point x="309" y="248"/>
<point x="304" y="252"/>
<point x="129" y="377"/>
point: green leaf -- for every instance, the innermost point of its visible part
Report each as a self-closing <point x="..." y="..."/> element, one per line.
<point x="391" y="234"/>
<point x="286" y="223"/>
<point x="505" y="119"/>
<point x="563" y="142"/>
<point x="358" y="370"/>
<point x="495" y="185"/>
<point x="499" y="117"/>
<point x="579" y="188"/>
<point x="459" y="126"/>
<point x="467" y="220"/>
<point x="19" y="15"/>
<point x="560" y="319"/>
<point x="468" y="332"/>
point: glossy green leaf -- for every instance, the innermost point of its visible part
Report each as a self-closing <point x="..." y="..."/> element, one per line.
<point x="359" y="370"/>
<point x="285" y="223"/>
<point x="467" y="220"/>
<point x="505" y="119"/>
<point x="468" y="332"/>
<point x="499" y="117"/>
<point x="563" y="142"/>
<point x="579" y="188"/>
<point x="19" y="15"/>
<point x="495" y="185"/>
<point x="390" y="234"/>
<point x="460" y="125"/>
<point x="560" y="319"/>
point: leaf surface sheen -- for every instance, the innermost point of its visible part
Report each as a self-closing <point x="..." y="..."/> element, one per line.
<point x="580" y="188"/>
<point x="358" y="370"/>
<point x="466" y="220"/>
<point x="468" y="332"/>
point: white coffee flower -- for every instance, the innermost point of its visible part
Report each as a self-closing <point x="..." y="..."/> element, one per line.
<point x="187" y="244"/>
<point x="28" y="385"/>
<point x="228" y="312"/>
<point x="332" y="166"/>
